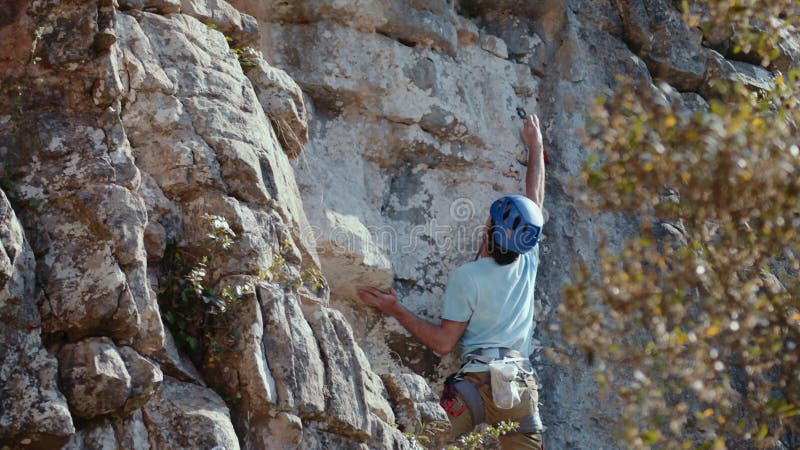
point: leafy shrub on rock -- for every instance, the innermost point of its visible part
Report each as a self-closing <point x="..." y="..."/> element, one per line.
<point x="193" y="304"/>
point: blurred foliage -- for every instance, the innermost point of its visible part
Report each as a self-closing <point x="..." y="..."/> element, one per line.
<point x="755" y="27"/>
<point x="695" y="324"/>
<point x="426" y="434"/>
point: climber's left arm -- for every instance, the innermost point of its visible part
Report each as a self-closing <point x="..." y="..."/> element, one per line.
<point x="534" y="178"/>
<point x="441" y="338"/>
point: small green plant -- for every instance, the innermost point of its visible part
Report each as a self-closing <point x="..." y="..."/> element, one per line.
<point x="193" y="305"/>
<point x="312" y="278"/>
<point x="221" y="233"/>
<point x="245" y="55"/>
<point x="428" y="432"/>
<point x="280" y="271"/>
<point x="477" y="439"/>
<point x="37" y="36"/>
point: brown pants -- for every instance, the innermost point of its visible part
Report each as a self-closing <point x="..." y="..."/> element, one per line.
<point x="462" y="424"/>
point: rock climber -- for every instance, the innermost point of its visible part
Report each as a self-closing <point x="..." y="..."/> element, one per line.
<point x="488" y="309"/>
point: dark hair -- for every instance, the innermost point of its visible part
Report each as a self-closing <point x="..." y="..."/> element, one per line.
<point x="500" y="255"/>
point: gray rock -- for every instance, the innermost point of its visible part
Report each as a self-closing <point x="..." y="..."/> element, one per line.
<point x="185" y="415"/>
<point x="93" y="377"/>
<point x="112" y="434"/>
<point x="415" y="404"/>
<point x="721" y="70"/>
<point x="601" y="14"/>
<point x="131" y="432"/>
<point x="387" y="436"/>
<point x="293" y="354"/>
<point x="163" y="6"/>
<point x="228" y="162"/>
<point x="444" y="124"/>
<point x="141" y="65"/>
<point x="125" y="5"/>
<point x="494" y="45"/>
<point x="32" y="408"/>
<point x="99" y="437"/>
<point x="287" y="429"/>
<point x="81" y="295"/>
<point x="283" y="103"/>
<point x="124" y="215"/>
<point x="176" y="365"/>
<point x="375" y="392"/>
<point x="409" y="147"/>
<point x="242" y="29"/>
<point x="238" y="369"/>
<point x="315" y="437"/>
<point x="672" y="51"/>
<point x="496" y="7"/>
<point x="755" y="77"/>
<point x="96" y="380"/>
<point x="85" y="297"/>
<point x="354" y="13"/>
<point x="146" y="378"/>
<point x="347" y="412"/>
<point x="466" y="31"/>
<point x="155" y="241"/>
<point x="420" y="26"/>
<point x="788" y="50"/>
<point x="424" y="24"/>
<point x="692" y="102"/>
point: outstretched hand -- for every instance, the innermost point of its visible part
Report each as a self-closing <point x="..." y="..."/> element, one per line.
<point x="371" y="296"/>
<point x="532" y="132"/>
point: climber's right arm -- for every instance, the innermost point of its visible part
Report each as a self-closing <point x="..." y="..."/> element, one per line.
<point x="440" y="338"/>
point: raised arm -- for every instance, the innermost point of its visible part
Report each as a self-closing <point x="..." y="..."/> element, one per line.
<point x="534" y="179"/>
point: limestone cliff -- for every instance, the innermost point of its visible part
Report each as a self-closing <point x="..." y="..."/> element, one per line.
<point x="282" y="153"/>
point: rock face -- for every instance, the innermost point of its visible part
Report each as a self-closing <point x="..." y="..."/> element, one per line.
<point x="98" y="378"/>
<point x="115" y="152"/>
<point x="184" y="415"/>
<point x="32" y="409"/>
<point x="411" y="139"/>
<point x="340" y="143"/>
<point x="415" y="403"/>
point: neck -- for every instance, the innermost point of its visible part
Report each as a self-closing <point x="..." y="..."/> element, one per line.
<point x="483" y="252"/>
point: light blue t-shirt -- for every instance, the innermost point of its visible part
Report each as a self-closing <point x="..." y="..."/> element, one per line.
<point x="496" y="300"/>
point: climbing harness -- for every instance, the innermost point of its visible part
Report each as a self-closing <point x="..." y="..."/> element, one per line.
<point x="469" y="392"/>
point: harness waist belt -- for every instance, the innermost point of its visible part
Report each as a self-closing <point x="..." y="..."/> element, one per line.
<point x="492" y="353"/>
<point x="478" y="360"/>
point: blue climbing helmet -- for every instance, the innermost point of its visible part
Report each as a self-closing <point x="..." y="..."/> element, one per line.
<point x="517" y="223"/>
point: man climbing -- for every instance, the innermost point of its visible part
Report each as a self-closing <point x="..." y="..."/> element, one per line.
<point x="488" y="309"/>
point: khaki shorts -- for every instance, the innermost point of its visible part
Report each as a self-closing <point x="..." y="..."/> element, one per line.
<point x="529" y="404"/>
